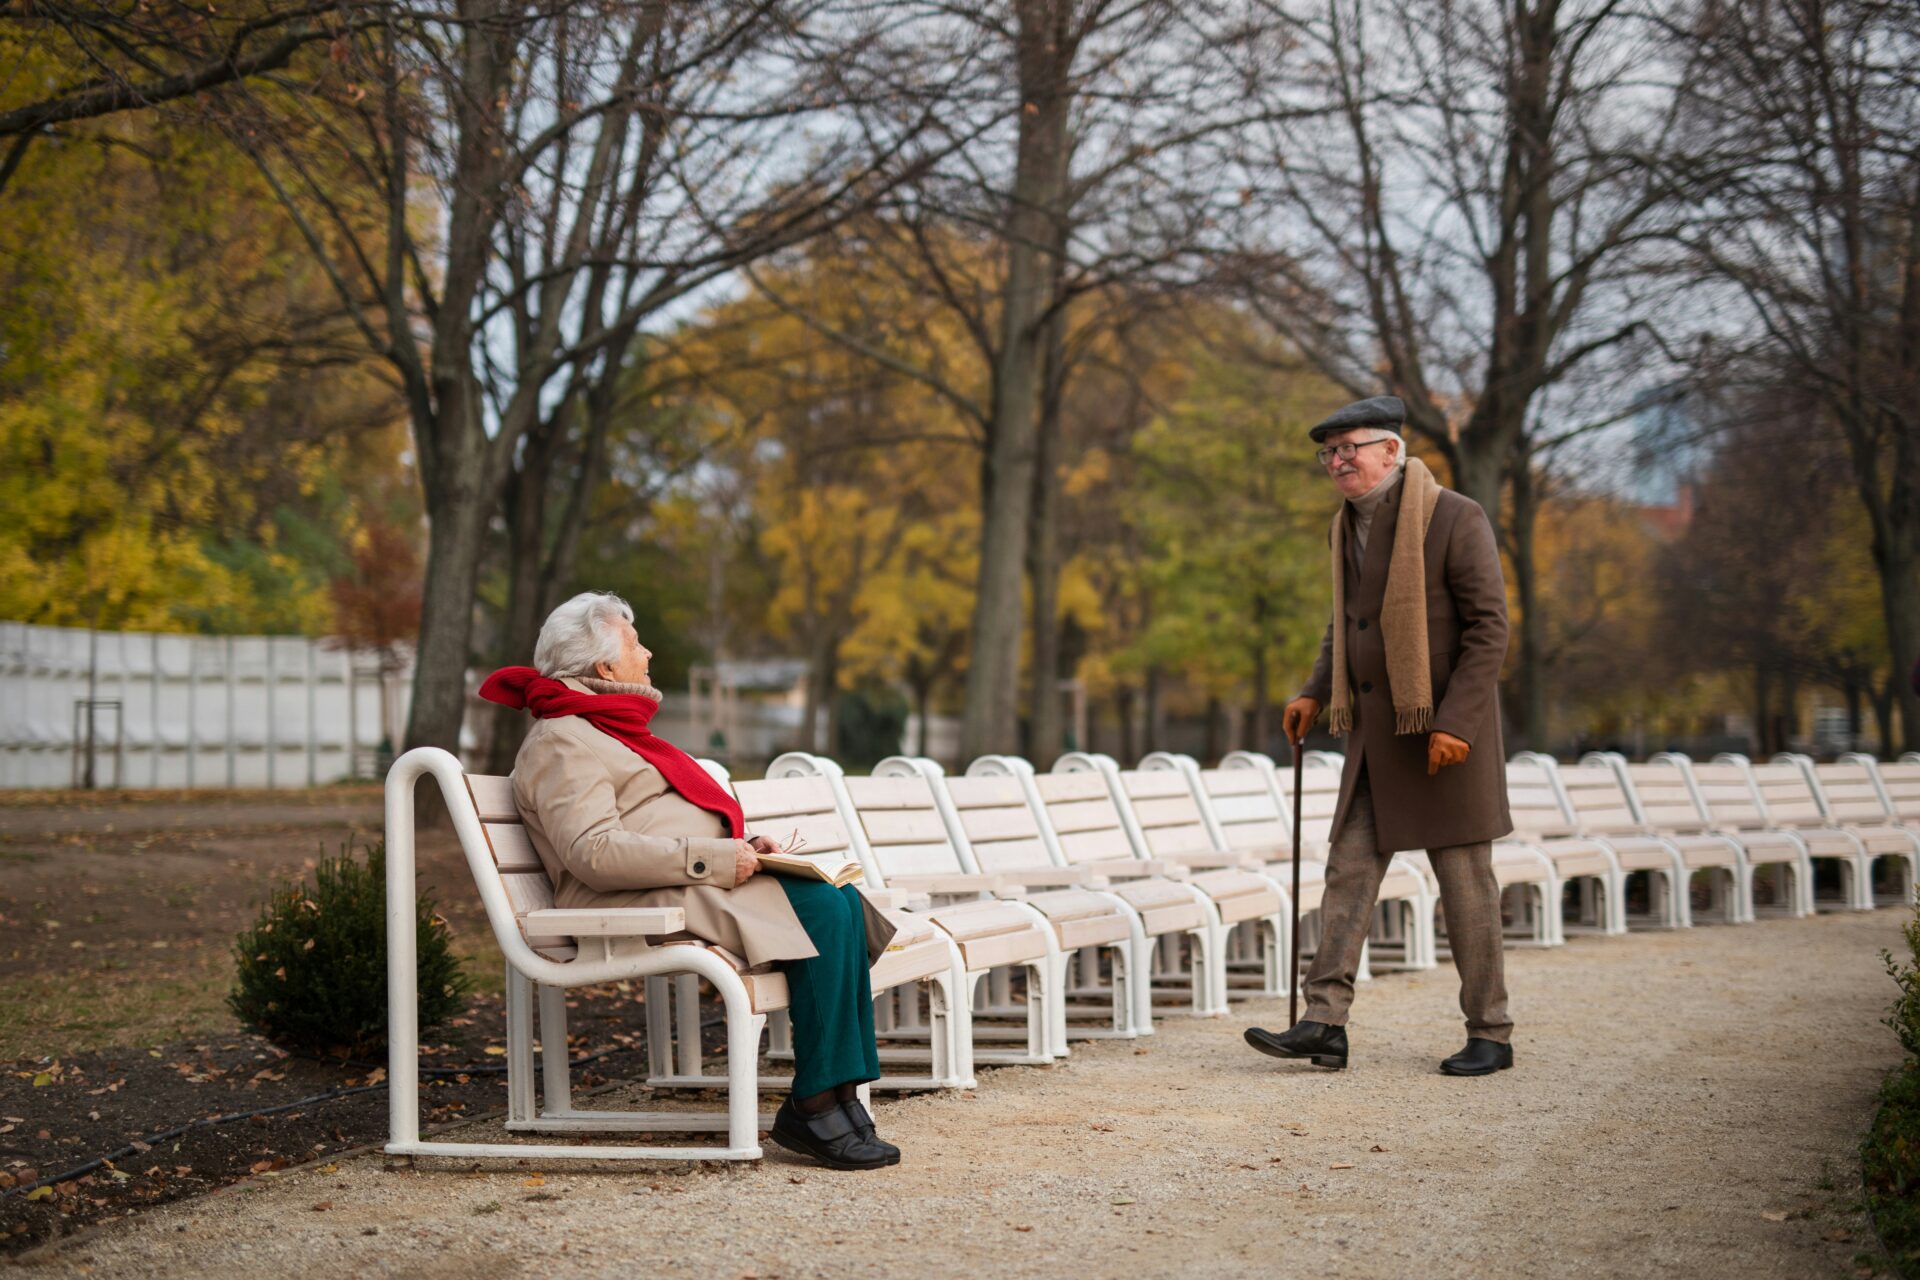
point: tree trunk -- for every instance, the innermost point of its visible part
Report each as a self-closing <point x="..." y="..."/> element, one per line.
<point x="1123" y="708"/>
<point x="1531" y="732"/>
<point x="1156" y="710"/>
<point x="1900" y="605"/>
<point x="1211" y="745"/>
<point x="1761" y="710"/>
<point x="990" y="721"/>
<point x="458" y="505"/>
<point x="1043" y="549"/>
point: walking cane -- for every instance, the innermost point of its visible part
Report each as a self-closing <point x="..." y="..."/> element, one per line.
<point x="1293" y="965"/>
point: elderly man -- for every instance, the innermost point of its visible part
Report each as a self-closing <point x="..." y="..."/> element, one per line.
<point x="621" y="818"/>
<point x="1409" y="673"/>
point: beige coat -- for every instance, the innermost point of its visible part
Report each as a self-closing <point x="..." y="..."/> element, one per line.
<point x="612" y="833"/>
<point x="1466" y="643"/>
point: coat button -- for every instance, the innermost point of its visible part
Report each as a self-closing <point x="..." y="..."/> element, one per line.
<point x="1366" y="686"/>
<point x="1363" y="624"/>
<point x="699" y="868"/>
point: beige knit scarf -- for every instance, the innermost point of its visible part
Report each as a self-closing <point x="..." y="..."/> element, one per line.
<point x="1403" y="617"/>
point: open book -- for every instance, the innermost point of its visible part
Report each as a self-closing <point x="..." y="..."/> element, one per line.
<point x="831" y="868"/>
<point x="834" y="869"/>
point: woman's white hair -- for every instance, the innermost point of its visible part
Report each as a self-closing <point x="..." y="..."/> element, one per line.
<point x="580" y="633"/>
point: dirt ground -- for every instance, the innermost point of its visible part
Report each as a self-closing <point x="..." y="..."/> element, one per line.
<point x="1684" y="1104"/>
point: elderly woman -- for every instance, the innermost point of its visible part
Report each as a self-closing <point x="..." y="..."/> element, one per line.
<point x="624" y="819"/>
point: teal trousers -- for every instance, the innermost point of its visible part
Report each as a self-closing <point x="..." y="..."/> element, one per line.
<point x="830" y="996"/>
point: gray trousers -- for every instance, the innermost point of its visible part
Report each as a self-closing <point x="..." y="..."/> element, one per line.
<point x="1469" y="894"/>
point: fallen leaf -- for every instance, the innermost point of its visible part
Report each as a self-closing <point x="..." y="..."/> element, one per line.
<point x="1339" y="1166"/>
<point x="323" y="1206"/>
<point x="260" y="1166"/>
<point x="537" y="1180"/>
<point x="329" y="1168"/>
<point x="1023" y="1228"/>
<point x="1123" y="1200"/>
<point x="1837" y="1235"/>
<point x="1774" y="1215"/>
<point x="376" y="1075"/>
<point x="42" y="1080"/>
<point x="1378" y="1147"/>
<point x="40" y="1193"/>
<point x="498" y="1051"/>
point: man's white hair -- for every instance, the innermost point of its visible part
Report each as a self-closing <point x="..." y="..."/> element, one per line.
<point x="580" y="633"/>
<point x="1366" y="435"/>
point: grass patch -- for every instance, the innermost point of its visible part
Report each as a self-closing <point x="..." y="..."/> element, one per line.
<point x="59" y="1015"/>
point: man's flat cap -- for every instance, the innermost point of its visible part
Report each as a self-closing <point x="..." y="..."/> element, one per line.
<point x="1377" y="411"/>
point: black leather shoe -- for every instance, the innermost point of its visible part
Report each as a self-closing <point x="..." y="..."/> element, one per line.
<point x="1323" y="1045"/>
<point x="1479" y="1058"/>
<point x="829" y="1138"/>
<point x="863" y="1125"/>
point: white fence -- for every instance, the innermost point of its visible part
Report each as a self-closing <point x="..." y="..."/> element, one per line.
<point x="190" y="711"/>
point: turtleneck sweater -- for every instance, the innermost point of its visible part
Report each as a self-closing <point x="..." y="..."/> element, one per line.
<point x="596" y="685"/>
<point x="1364" y="507"/>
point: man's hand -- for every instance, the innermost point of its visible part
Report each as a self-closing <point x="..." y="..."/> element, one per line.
<point x="1298" y="718"/>
<point x="1444" y="749"/>
<point x="745" y="863"/>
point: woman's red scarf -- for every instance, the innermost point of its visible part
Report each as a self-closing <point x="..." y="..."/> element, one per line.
<point x="618" y="715"/>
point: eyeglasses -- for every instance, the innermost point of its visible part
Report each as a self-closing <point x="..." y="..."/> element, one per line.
<point x="1345" y="452"/>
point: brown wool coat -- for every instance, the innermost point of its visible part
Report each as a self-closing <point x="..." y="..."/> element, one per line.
<point x="1466" y="643"/>
<point x="612" y="833"/>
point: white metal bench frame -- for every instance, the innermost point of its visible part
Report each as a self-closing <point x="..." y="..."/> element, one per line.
<point x="618" y="935"/>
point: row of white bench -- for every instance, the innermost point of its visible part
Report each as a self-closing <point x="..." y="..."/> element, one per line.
<point x="1038" y="908"/>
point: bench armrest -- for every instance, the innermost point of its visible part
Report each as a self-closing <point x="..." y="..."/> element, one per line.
<point x="948" y="884"/>
<point x="606" y="922"/>
<point x="1135" y="869"/>
<point x="895" y="898"/>
<point x="1212" y="860"/>
<point x="1048" y="877"/>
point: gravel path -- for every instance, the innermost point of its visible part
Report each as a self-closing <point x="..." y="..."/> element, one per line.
<point x="1685" y="1104"/>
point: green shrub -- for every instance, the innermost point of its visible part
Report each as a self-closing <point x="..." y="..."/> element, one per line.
<point x="1890" y="1156"/>
<point x="312" y="972"/>
<point x="1904" y="1017"/>
<point x="1890" y="1169"/>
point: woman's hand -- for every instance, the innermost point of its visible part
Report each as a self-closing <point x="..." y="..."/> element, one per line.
<point x="745" y="863"/>
<point x="762" y="844"/>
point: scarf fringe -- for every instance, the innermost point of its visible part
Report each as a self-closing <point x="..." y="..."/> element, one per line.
<point x="1340" y="721"/>
<point x="1412" y="719"/>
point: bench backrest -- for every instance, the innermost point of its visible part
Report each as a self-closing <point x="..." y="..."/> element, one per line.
<point x="1319" y="801"/>
<point x="1665" y="799"/>
<point x="1729" y="796"/>
<point x="1600" y="804"/>
<point x="1902" y="781"/>
<point x="522" y="874"/>
<point x="1169" y="815"/>
<point x="904" y="830"/>
<point x="1851" y="794"/>
<point x="1535" y="802"/>
<point x="1250" y="816"/>
<point x="999" y="823"/>
<point x="1085" y="819"/>
<point x="783" y="808"/>
<point x="1787" y="798"/>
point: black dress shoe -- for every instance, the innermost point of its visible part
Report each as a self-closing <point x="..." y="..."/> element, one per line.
<point x="829" y="1138"/>
<point x="863" y="1125"/>
<point x="1323" y="1045"/>
<point x="1479" y="1058"/>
